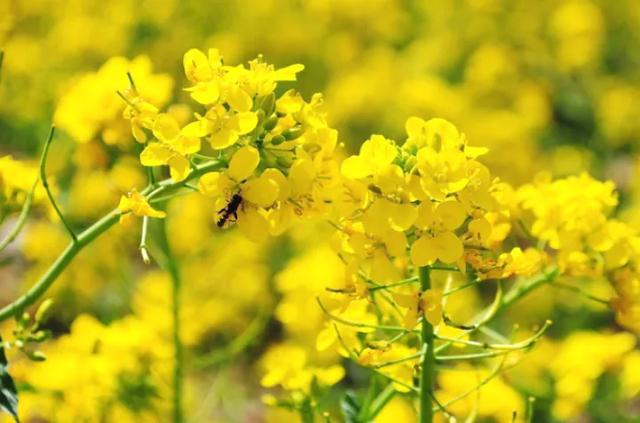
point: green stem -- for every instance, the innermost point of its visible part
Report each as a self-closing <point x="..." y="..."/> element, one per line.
<point x="22" y="219"/>
<point x="381" y="400"/>
<point x="45" y="184"/>
<point x="101" y="226"/>
<point x="427" y="370"/>
<point x="176" y="290"/>
<point x="522" y="290"/>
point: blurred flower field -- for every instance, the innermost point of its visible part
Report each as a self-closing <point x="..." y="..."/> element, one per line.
<point x="320" y="211"/>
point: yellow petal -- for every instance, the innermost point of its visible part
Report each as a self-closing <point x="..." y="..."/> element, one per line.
<point x="452" y="214"/>
<point x="244" y="122"/>
<point x="243" y="163"/>
<point x="165" y="127"/>
<point x="253" y="225"/>
<point x="288" y="73"/>
<point x="355" y="167"/>
<point x="423" y="251"/>
<point x="239" y="100"/>
<point x="301" y="176"/>
<point x="178" y="167"/>
<point x="186" y="145"/>
<point x="197" y="129"/>
<point x="261" y="191"/>
<point x="448" y="247"/>
<point x="426" y="215"/>
<point x="284" y="187"/>
<point x="155" y="154"/>
<point x="205" y="92"/>
<point x="196" y="66"/>
<point x="402" y="216"/>
<point x="414" y="127"/>
<point x="209" y="184"/>
<point x="223" y="139"/>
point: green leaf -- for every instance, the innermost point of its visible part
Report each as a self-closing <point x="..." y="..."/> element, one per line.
<point x="8" y="391"/>
<point x="350" y="407"/>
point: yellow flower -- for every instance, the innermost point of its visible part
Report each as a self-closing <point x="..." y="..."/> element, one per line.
<point x="136" y="204"/>
<point x="426" y="303"/>
<point x="172" y="149"/>
<point x="224" y="127"/>
<point x="375" y="154"/>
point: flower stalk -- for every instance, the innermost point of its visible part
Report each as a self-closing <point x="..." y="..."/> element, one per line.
<point x="427" y="369"/>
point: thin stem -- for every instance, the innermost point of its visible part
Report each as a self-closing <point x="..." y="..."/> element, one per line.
<point x="427" y="369"/>
<point x="22" y="219"/>
<point x="45" y="183"/>
<point x="84" y="238"/>
<point x="143" y="241"/>
<point x="580" y="291"/>
<point x="523" y="289"/>
<point x="394" y="284"/>
<point x="358" y="324"/>
<point x="247" y="338"/>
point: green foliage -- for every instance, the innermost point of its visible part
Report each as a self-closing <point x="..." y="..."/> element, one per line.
<point x="8" y="391"/>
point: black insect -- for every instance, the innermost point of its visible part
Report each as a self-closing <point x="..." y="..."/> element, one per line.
<point x="231" y="209"/>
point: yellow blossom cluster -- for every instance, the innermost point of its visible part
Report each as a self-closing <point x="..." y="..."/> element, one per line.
<point x="573" y="217"/>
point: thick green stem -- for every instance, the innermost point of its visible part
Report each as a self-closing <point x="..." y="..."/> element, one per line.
<point x="427" y="369"/>
<point x="85" y="238"/>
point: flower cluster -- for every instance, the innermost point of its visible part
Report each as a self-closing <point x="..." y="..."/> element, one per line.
<point x="279" y="151"/>
<point x="572" y="216"/>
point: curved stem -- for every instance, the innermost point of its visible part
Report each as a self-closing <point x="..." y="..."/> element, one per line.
<point x="22" y="219"/>
<point x="91" y="233"/>
<point x="45" y="183"/>
<point x="427" y="370"/>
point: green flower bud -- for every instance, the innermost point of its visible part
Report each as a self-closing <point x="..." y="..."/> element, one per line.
<point x="268" y="104"/>
<point x="277" y="140"/>
<point x="270" y="123"/>
<point x="292" y="133"/>
<point x="36" y="355"/>
<point x="44" y="311"/>
<point x="284" y="161"/>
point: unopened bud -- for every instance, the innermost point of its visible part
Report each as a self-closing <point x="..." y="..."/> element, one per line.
<point x="270" y="123"/>
<point x="44" y="311"/>
<point x="277" y="140"/>
<point x="292" y="133"/>
<point x="268" y="104"/>
<point x="36" y="355"/>
<point x="284" y="161"/>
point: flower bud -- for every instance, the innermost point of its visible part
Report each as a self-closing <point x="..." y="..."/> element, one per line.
<point x="292" y="133"/>
<point x="277" y="140"/>
<point x="270" y="123"/>
<point x="284" y="161"/>
<point x="268" y="104"/>
<point x="44" y="311"/>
